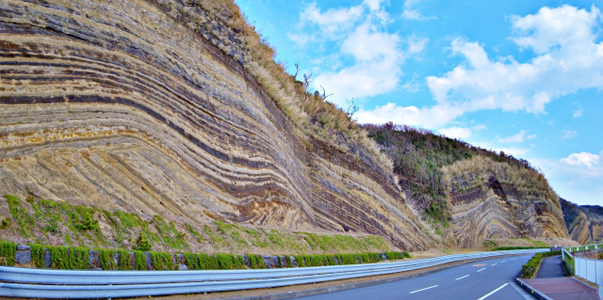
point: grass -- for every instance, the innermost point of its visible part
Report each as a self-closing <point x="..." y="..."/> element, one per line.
<point x="44" y="220"/>
<point x="529" y="269"/>
<point x="76" y="258"/>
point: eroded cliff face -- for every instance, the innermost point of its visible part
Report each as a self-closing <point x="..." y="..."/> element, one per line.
<point x="467" y="194"/>
<point x="115" y="104"/>
<point x="495" y="210"/>
<point x="584" y="223"/>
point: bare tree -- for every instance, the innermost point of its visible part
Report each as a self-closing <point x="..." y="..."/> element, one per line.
<point x="352" y="109"/>
<point x="324" y="93"/>
<point x="307" y="79"/>
<point x="296" y="70"/>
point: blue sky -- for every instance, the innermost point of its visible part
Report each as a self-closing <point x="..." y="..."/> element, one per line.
<point x="524" y="77"/>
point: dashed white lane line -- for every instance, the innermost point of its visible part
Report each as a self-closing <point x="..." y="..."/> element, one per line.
<point x="513" y="258"/>
<point x="492" y="292"/>
<point x="502" y="261"/>
<point x="462" y="277"/>
<point x="493" y="265"/>
<point x="431" y="287"/>
<point x="481" y="269"/>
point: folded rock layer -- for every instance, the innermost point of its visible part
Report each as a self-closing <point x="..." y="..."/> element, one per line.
<point x="115" y="104"/>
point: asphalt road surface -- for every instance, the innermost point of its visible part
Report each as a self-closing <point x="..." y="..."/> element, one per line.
<point x="489" y="279"/>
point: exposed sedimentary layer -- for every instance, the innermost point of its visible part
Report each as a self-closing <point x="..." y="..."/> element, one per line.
<point x="490" y="209"/>
<point x="114" y="104"/>
<point x="584" y="223"/>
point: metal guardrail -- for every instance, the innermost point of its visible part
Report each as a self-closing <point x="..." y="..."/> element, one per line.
<point x="43" y="283"/>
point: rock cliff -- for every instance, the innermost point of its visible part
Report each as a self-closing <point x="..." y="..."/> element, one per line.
<point x="584" y="222"/>
<point x="122" y="105"/>
<point x="468" y="194"/>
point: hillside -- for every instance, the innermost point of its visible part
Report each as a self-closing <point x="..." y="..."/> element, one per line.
<point x="177" y="109"/>
<point x="467" y="194"/>
<point x="584" y="222"/>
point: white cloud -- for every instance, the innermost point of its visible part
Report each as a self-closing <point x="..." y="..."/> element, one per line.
<point x="568" y="59"/>
<point x="456" y="132"/>
<point x="411" y="13"/>
<point x="332" y="21"/>
<point x="582" y="159"/>
<point x="518" y="138"/>
<point x="479" y="127"/>
<point x="568" y="134"/>
<point x="413" y="85"/>
<point x="578" y="112"/>
<point x="576" y="177"/>
<point x="376" y="55"/>
<point x="431" y="117"/>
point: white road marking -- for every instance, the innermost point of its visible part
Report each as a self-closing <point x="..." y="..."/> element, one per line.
<point x="513" y="258"/>
<point x="481" y="269"/>
<point x="502" y="261"/>
<point x="431" y="287"/>
<point x="492" y="292"/>
<point x="462" y="277"/>
<point x="493" y="265"/>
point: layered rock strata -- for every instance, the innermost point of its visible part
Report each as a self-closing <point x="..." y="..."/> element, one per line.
<point x="114" y="104"/>
<point x="584" y="223"/>
<point x="491" y="209"/>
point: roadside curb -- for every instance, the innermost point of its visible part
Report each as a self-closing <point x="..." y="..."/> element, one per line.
<point x="331" y="289"/>
<point x="534" y="292"/>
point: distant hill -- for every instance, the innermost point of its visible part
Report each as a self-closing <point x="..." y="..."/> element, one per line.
<point x="584" y="222"/>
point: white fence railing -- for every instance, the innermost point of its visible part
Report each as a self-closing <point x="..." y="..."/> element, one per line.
<point x="588" y="269"/>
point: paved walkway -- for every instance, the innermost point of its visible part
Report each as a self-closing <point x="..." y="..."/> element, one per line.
<point x="552" y="281"/>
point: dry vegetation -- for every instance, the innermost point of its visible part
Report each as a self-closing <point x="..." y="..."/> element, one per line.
<point x="430" y="166"/>
<point x="222" y="23"/>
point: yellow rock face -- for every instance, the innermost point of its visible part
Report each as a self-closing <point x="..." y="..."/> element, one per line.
<point x="114" y="104"/>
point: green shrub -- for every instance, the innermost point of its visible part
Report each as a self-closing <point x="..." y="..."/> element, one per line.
<point x="107" y="259"/>
<point x="143" y="243"/>
<point x="406" y="254"/>
<point x="37" y="255"/>
<point x="140" y="258"/>
<point x="162" y="260"/>
<point x="125" y="262"/>
<point x="347" y="259"/>
<point x="529" y="269"/>
<point x="7" y="253"/>
<point x="230" y="261"/>
<point x="256" y="261"/>
<point x="394" y="255"/>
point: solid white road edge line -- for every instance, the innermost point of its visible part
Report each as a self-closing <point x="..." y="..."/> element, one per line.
<point x="481" y="269"/>
<point x="494" y="291"/>
<point x="431" y="287"/>
<point x="462" y="277"/>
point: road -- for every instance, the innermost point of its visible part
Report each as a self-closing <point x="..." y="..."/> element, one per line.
<point x="489" y="279"/>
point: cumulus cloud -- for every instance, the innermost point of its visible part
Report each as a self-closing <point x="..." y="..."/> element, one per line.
<point x="582" y="159"/>
<point x="518" y="138"/>
<point x="430" y="117"/>
<point x="578" y="112"/>
<point x="411" y="13"/>
<point x="568" y="134"/>
<point x="376" y="56"/>
<point x="567" y="59"/>
<point x="456" y="132"/>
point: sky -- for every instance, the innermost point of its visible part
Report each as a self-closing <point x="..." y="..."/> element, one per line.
<point x="523" y="77"/>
